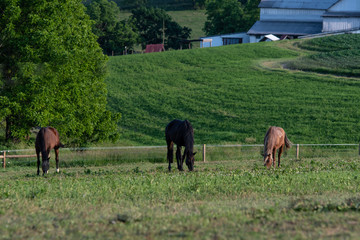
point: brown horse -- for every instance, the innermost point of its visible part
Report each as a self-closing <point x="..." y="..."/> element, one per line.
<point x="275" y="138"/>
<point x="47" y="139"/>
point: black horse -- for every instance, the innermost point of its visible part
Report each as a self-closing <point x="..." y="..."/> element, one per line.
<point x="181" y="133"/>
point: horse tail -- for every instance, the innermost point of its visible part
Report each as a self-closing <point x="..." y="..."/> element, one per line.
<point x="288" y="143"/>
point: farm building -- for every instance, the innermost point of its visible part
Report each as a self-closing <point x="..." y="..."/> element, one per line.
<point x="224" y="39"/>
<point x="294" y="18"/>
<point x="288" y="19"/>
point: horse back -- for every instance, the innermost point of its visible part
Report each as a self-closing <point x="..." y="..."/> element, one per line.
<point x="179" y="132"/>
<point x="274" y="138"/>
<point x="47" y="139"/>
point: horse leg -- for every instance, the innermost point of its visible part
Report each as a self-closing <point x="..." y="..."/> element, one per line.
<point x="38" y="161"/>
<point x="170" y="153"/>
<point x="57" y="159"/>
<point x="178" y="158"/>
<point x="182" y="159"/>
<point x="280" y="152"/>
<point x="273" y="157"/>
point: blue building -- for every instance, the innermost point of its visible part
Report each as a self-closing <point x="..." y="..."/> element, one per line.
<point x="288" y="19"/>
<point x="295" y="18"/>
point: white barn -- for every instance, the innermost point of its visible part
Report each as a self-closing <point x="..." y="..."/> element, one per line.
<point x="295" y="18"/>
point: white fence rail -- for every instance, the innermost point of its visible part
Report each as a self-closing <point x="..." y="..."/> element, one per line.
<point x="204" y="148"/>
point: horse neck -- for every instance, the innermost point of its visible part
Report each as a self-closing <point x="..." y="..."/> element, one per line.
<point x="268" y="145"/>
<point x="189" y="144"/>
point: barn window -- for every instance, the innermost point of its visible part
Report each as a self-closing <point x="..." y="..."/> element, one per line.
<point x="228" y="41"/>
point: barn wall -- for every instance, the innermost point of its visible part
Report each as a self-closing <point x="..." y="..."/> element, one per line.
<point x="339" y="24"/>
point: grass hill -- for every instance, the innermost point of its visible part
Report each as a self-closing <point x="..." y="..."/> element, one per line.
<point x="229" y="95"/>
<point x="337" y="55"/>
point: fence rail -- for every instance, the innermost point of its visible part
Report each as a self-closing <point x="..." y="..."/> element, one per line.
<point x="204" y="148"/>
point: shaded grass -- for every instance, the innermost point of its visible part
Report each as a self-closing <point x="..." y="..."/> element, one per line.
<point x="315" y="198"/>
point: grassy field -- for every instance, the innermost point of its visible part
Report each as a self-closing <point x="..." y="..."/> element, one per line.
<point x="310" y="199"/>
<point x="230" y="95"/>
<point x="338" y="55"/>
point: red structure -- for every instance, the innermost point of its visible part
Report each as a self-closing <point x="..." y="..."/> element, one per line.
<point x="154" y="48"/>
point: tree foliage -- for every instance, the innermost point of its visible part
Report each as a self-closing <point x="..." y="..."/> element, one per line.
<point x="114" y="36"/>
<point x="52" y="71"/>
<point x="155" y="26"/>
<point x="169" y="5"/>
<point x="229" y="16"/>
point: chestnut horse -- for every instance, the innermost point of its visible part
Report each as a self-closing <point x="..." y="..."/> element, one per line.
<point x="47" y="139"/>
<point x="275" y="138"/>
<point x="181" y="133"/>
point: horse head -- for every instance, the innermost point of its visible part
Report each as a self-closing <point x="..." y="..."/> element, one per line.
<point x="268" y="160"/>
<point x="45" y="165"/>
<point x="190" y="159"/>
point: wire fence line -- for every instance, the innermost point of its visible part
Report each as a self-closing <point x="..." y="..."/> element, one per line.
<point x="209" y="152"/>
<point x="164" y="146"/>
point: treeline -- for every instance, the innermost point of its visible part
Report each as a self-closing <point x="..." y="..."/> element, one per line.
<point x="144" y="26"/>
<point x="168" y="5"/>
<point x="152" y="25"/>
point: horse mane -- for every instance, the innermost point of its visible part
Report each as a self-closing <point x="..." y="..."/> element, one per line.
<point x="267" y="148"/>
<point x="266" y="142"/>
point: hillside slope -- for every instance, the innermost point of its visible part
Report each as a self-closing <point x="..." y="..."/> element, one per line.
<point x="229" y="98"/>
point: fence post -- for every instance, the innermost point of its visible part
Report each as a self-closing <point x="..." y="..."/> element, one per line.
<point x="4" y="158"/>
<point x="297" y="151"/>
<point x="204" y="153"/>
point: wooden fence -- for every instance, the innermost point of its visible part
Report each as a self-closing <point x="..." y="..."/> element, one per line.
<point x="204" y="147"/>
<point x="4" y="157"/>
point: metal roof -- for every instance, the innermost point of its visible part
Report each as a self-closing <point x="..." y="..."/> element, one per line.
<point x="304" y="4"/>
<point x="342" y="14"/>
<point x="285" y="28"/>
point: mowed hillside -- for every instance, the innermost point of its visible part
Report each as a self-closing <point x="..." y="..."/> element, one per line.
<point x="230" y="97"/>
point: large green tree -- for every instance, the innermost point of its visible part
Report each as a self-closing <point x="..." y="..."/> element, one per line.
<point x="230" y="16"/>
<point x="53" y="71"/>
<point x="156" y="26"/>
<point x="114" y="36"/>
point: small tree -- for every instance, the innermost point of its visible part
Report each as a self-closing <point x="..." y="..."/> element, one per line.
<point x="229" y="16"/>
<point x="52" y="71"/>
<point x="155" y="26"/>
<point x="114" y="35"/>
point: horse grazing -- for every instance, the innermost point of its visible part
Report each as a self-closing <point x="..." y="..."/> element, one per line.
<point x="47" y="139"/>
<point x="181" y="133"/>
<point x="275" y="138"/>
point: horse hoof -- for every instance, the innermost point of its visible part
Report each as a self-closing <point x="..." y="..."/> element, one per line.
<point x="57" y="170"/>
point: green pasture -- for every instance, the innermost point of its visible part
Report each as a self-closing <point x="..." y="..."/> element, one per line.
<point x="314" y="198"/>
<point x="232" y="94"/>
<point x="337" y="55"/>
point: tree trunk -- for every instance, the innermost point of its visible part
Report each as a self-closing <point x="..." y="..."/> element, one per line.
<point x="8" y="129"/>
